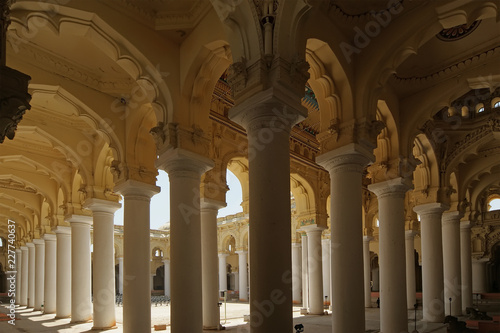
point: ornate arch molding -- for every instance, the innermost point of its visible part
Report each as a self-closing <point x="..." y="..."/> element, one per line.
<point x="60" y="20"/>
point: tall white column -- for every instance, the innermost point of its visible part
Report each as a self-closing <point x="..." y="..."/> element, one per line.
<point x="367" y="270"/>
<point x="346" y="165"/>
<point x="314" y="267"/>
<point x="325" y="249"/>
<point x="19" y="265"/>
<point x="39" y="273"/>
<point x="103" y="282"/>
<point x="451" y="263"/>
<point x="392" y="263"/>
<point x="268" y="123"/>
<point x="184" y="169"/>
<point x="63" y="271"/>
<point x="120" y="275"/>
<point x="31" y="275"/>
<point x="136" y="252"/>
<point x="166" y="281"/>
<point x="243" y="277"/>
<point x="222" y="271"/>
<point x="432" y="261"/>
<point x="411" y="286"/>
<point x="305" y="274"/>
<point x="81" y="307"/>
<point x="24" y="275"/>
<point x="466" y="265"/>
<point x="210" y="285"/>
<point x="479" y="275"/>
<point x="50" y="274"/>
<point x="296" y="273"/>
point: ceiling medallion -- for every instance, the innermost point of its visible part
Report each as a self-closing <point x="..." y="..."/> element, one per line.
<point x="457" y="32"/>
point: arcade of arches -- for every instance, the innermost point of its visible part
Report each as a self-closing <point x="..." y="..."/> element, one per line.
<point x="365" y="111"/>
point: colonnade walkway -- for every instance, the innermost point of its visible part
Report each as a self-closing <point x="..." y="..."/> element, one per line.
<point x="35" y="321"/>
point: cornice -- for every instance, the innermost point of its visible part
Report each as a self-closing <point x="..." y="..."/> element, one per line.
<point x="46" y="60"/>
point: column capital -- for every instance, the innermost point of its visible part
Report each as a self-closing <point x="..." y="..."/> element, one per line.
<point x="480" y="260"/>
<point x="352" y="156"/>
<point x="451" y="217"/>
<point x="464" y="225"/>
<point x="210" y="204"/>
<point x="396" y="187"/>
<point x="175" y="160"/>
<point x="19" y="249"/>
<point x="241" y="252"/>
<point x="38" y="241"/>
<point x="223" y="255"/>
<point x="119" y="258"/>
<point x="165" y="261"/>
<point x="99" y="205"/>
<point x="83" y="219"/>
<point x="367" y="239"/>
<point x="49" y="237"/>
<point x="63" y="230"/>
<point x="296" y="244"/>
<point x="136" y="188"/>
<point x="325" y="240"/>
<point x="24" y="248"/>
<point x="410" y="234"/>
<point x="30" y="244"/>
<point x="430" y="208"/>
<point x="312" y="229"/>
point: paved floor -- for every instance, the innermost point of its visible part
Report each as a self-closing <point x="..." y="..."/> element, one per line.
<point x="34" y="321"/>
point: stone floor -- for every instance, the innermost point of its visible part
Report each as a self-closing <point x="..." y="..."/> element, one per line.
<point x="35" y="321"/>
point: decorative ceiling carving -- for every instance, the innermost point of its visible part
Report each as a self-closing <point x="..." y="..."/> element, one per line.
<point x="457" y="32"/>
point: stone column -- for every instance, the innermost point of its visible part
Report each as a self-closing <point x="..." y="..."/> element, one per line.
<point x="39" y="273"/>
<point x="466" y="265"/>
<point x="325" y="248"/>
<point x="19" y="273"/>
<point x="346" y="165"/>
<point x="411" y="286"/>
<point x="314" y="268"/>
<point x="479" y="275"/>
<point x="210" y="284"/>
<point x="49" y="305"/>
<point x="136" y="255"/>
<point x="305" y="275"/>
<point x="31" y="275"/>
<point x="103" y="282"/>
<point x="296" y="273"/>
<point x="222" y="271"/>
<point x="367" y="270"/>
<point x="184" y="169"/>
<point x="120" y="275"/>
<point x="243" y="276"/>
<point x="268" y="122"/>
<point x="63" y="272"/>
<point x="24" y="276"/>
<point x="166" y="281"/>
<point x="392" y="263"/>
<point x="81" y="306"/>
<point x="432" y="261"/>
<point x="451" y="263"/>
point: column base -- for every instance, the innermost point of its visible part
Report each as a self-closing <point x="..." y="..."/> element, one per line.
<point x="80" y="321"/>
<point x="103" y="328"/>
<point x="214" y="328"/>
<point x="62" y="317"/>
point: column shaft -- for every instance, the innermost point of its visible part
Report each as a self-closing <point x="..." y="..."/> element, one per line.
<point x="479" y="275"/>
<point x="314" y="266"/>
<point x="325" y="247"/>
<point x="243" y="276"/>
<point x="103" y="282"/>
<point x="305" y="274"/>
<point x="466" y="265"/>
<point x="185" y="169"/>
<point x="391" y="204"/>
<point x="136" y="255"/>
<point x="167" y="278"/>
<point x="222" y="272"/>
<point x="296" y="273"/>
<point x="31" y="275"/>
<point x="63" y="271"/>
<point x="19" y="265"/>
<point x="367" y="270"/>
<point x="345" y="166"/>
<point x="39" y="273"/>
<point x="50" y="274"/>
<point x="411" y="287"/>
<point x="451" y="263"/>
<point x="120" y="275"/>
<point x="24" y="276"/>
<point x="81" y="307"/>
<point x="432" y="261"/>
<point x="210" y="287"/>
